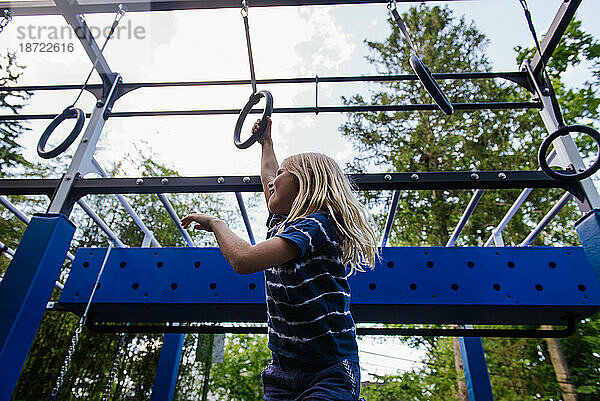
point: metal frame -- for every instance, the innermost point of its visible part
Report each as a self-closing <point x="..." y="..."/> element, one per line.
<point x="71" y="187"/>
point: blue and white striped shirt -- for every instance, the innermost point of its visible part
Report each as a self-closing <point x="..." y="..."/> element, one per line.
<point x="308" y="298"/>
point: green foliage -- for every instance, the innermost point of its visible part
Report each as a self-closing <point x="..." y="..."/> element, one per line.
<point x="10" y="150"/>
<point x="238" y="377"/>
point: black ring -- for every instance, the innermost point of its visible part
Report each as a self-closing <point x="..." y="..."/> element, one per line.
<point x="69" y="112"/>
<point x="431" y="86"/>
<point x="566" y="131"/>
<point x="254" y="99"/>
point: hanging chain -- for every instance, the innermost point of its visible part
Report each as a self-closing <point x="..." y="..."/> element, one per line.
<point x="118" y="17"/>
<point x="75" y="339"/>
<point x="6" y="18"/>
<point x="115" y="370"/>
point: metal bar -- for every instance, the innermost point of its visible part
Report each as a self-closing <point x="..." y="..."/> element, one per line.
<point x="139" y="6"/>
<point x="475" y="367"/>
<point x="5" y="249"/>
<point x="465" y="216"/>
<point x="509" y="215"/>
<point x="555" y="32"/>
<point x="136" y="218"/>
<point x="127" y="87"/>
<point x="390" y="218"/>
<point x="173" y="214"/>
<point x="211" y="329"/>
<point x="14" y="210"/>
<point x="299" y="110"/>
<point x="240" y="201"/>
<point x="547" y="218"/>
<point x="373" y="181"/>
<point x="497" y="232"/>
<point x="98" y="220"/>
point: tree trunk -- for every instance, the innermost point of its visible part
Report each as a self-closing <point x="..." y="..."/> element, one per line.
<point x="561" y="369"/>
<point x="458" y="365"/>
<point x="207" y="367"/>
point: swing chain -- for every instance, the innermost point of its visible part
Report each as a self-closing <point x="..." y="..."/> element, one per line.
<point x="65" y="366"/>
<point x="114" y="370"/>
<point x="6" y="18"/>
<point x="118" y="17"/>
<point x="75" y="339"/>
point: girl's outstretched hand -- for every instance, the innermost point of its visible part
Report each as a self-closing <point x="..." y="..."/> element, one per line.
<point x="267" y="135"/>
<point x="203" y="221"/>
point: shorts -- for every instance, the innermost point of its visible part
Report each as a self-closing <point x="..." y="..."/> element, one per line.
<point x="284" y="379"/>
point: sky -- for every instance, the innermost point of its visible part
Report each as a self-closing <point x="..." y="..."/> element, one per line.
<point x="287" y="42"/>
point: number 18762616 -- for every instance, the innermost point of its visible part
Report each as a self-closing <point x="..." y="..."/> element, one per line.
<point x="46" y="47"/>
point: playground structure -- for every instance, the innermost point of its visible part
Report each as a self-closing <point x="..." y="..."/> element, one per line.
<point x="120" y="289"/>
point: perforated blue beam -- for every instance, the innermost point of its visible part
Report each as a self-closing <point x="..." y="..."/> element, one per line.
<point x="536" y="285"/>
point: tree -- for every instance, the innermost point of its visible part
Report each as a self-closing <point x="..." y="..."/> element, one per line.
<point x="10" y="151"/>
<point x="474" y="140"/>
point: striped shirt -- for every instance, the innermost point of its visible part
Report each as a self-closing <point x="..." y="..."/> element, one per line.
<point x="308" y="298"/>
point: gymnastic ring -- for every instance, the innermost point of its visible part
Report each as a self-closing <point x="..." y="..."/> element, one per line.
<point x="254" y="99"/>
<point x="69" y="112"/>
<point x="431" y="86"/>
<point x="562" y="132"/>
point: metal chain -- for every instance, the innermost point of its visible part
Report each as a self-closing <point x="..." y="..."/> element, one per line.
<point x="75" y="339"/>
<point x="6" y="18"/>
<point x="120" y="14"/>
<point x="115" y="370"/>
<point x="67" y="361"/>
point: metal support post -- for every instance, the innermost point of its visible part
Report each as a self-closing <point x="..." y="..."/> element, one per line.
<point x="173" y="214"/>
<point x="390" y="218"/>
<point x="240" y="201"/>
<point x="148" y="235"/>
<point x="475" y="367"/>
<point x="496" y="236"/>
<point x="547" y="218"/>
<point x="167" y="371"/>
<point x="26" y="289"/>
<point x="113" y="237"/>
<point x="465" y="216"/>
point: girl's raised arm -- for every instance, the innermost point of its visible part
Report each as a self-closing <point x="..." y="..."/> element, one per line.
<point x="268" y="161"/>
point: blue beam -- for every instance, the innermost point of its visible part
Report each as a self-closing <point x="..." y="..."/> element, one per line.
<point x="167" y="371"/>
<point x="476" y="371"/>
<point x="533" y="285"/>
<point x="26" y="289"/>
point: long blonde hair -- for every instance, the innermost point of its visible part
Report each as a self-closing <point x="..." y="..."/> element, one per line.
<point x="325" y="188"/>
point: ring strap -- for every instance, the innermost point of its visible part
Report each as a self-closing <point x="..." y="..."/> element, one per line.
<point x="249" y="45"/>
<point x="403" y="28"/>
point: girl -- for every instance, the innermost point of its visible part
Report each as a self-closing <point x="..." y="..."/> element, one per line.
<point x="316" y="229"/>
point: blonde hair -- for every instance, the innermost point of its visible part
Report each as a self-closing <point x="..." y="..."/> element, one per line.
<point x="325" y="188"/>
